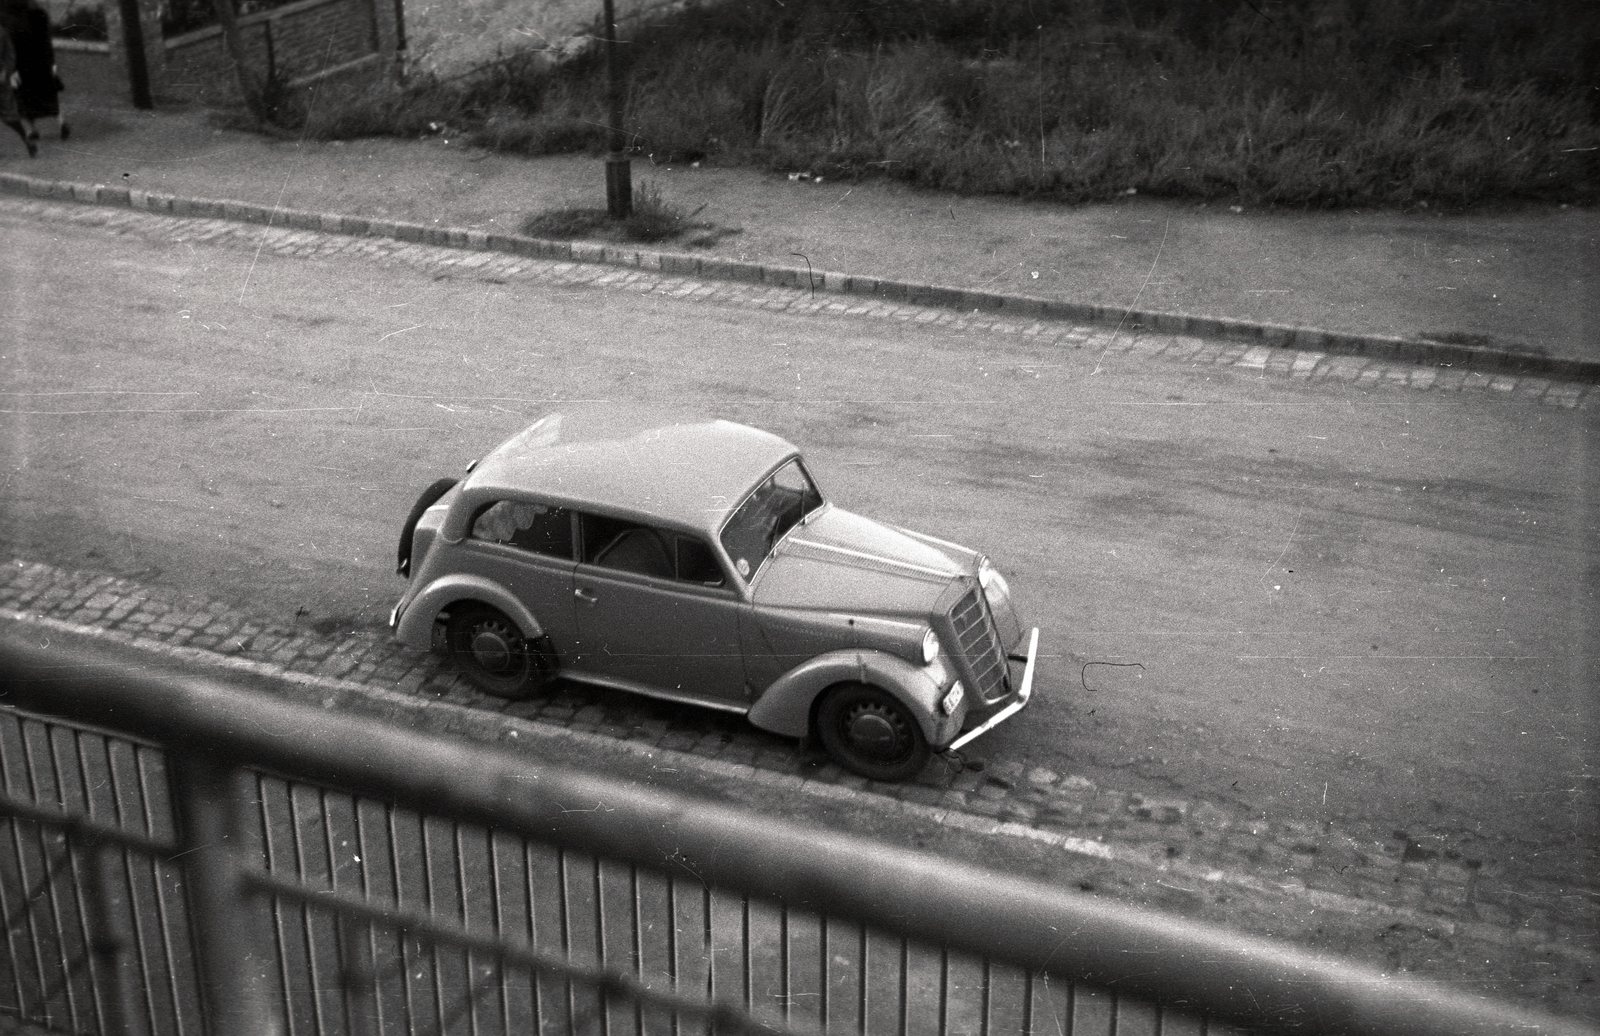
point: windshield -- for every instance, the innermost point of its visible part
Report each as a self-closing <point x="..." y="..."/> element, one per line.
<point x="774" y="507"/>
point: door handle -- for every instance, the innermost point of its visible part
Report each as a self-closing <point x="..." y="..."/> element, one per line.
<point x="586" y="596"/>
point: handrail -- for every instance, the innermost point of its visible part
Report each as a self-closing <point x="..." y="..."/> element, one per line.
<point x="1243" y="979"/>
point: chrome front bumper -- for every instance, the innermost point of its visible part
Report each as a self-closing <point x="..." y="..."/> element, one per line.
<point x="1023" y="694"/>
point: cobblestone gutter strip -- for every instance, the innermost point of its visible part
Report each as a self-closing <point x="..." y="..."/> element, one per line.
<point x="1406" y="879"/>
<point x="1021" y="307"/>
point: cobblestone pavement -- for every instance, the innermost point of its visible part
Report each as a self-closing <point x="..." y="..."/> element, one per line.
<point x="467" y="259"/>
<point x="1416" y="881"/>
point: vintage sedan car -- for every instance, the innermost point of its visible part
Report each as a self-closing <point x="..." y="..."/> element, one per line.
<point x="699" y="562"/>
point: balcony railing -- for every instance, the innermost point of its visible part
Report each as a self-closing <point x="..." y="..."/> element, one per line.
<point x="179" y="856"/>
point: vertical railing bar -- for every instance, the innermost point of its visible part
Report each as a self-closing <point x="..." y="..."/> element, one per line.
<point x="37" y="891"/>
<point x="984" y="1000"/>
<point x="638" y="945"/>
<point x="565" y="914"/>
<point x="944" y="989"/>
<point x="822" y="997"/>
<point x="785" y="990"/>
<point x="12" y="938"/>
<point x="428" y="951"/>
<point x="358" y="975"/>
<point x="744" y="951"/>
<point x="905" y="985"/>
<point x="1027" y="1002"/>
<point x="319" y="1025"/>
<point x="371" y="1014"/>
<point x="140" y="934"/>
<point x="80" y="886"/>
<point x="95" y="911"/>
<point x="345" y="1005"/>
<point x="600" y="941"/>
<point x="672" y="945"/>
<point x="469" y="1007"/>
<point x="114" y="942"/>
<point x="497" y="912"/>
<point x="62" y="978"/>
<point x="76" y="891"/>
<point x="407" y="1012"/>
<point x="710" y="951"/>
<point x="269" y="852"/>
<point x="163" y="912"/>
<point x="39" y="956"/>
<point x="533" y="937"/>
<point x="206" y="794"/>
<point x="862" y="980"/>
<point x="12" y="956"/>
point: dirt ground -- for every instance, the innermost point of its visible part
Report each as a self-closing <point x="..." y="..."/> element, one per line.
<point x="1522" y="278"/>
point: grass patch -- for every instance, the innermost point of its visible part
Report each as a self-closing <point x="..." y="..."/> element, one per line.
<point x="1320" y="103"/>
<point x="652" y="220"/>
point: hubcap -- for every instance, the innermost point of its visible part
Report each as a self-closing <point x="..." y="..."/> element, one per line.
<point x="874" y="731"/>
<point x="490" y="649"/>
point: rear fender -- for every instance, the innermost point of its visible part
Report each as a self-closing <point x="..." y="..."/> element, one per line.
<point x="415" y="626"/>
<point x="786" y="707"/>
<point x="429" y="497"/>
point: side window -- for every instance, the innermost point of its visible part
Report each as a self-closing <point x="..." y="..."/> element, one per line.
<point x="647" y="551"/>
<point x="696" y="563"/>
<point x="532" y="527"/>
<point x="626" y="547"/>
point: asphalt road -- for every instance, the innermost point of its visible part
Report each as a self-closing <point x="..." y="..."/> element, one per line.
<point x="1321" y="600"/>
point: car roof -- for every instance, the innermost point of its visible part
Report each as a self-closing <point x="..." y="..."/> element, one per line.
<point x="678" y="472"/>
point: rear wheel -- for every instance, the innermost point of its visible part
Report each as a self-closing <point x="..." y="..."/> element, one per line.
<point x="492" y="652"/>
<point x="870" y="732"/>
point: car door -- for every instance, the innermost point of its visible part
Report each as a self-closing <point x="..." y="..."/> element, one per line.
<point x="657" y="614"/>
<point x="527" y="547"/>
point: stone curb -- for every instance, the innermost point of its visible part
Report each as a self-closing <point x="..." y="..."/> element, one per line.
<point x="962" y="299"/>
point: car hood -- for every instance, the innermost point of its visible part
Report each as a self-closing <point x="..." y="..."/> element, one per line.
<point x="839" y="561"/>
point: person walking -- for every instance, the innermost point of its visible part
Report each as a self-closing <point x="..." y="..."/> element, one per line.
<point x="39" y="83"/>
<point x="10" y="114"/>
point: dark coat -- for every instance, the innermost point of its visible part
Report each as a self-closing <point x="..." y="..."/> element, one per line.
<point x="8" y="65"/>
<point x="38" y="95"/>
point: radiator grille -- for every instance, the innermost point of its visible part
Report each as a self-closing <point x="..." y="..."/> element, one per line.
<point x="980" y="647"/>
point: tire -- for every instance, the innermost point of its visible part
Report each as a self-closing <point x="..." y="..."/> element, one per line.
<point x="871" y="733"/>
<point x="492" y="653"/>
<point x="429" y="497"/>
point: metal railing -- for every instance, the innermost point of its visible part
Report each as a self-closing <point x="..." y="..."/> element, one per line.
<point x="179" y="856"/>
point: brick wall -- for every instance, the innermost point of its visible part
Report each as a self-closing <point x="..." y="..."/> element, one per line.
<point x="303" y="42"/>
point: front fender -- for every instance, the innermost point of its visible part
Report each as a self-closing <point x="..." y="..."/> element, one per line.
<point x="785" y="707"/>
<point x="414" y="625"/>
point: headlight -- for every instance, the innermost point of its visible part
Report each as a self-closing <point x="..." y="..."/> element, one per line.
<point x="952" y="698"/>
<point x="993" y="583"/>
<point x="930" y="647"/>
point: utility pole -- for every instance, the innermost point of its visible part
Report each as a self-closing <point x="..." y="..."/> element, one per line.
<point x="133" y="47"/>
<point x="619" y="178"/>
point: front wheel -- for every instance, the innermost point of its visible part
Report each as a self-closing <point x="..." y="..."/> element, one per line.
<point x="492" y="653"/>
<point x="869" y="732"/>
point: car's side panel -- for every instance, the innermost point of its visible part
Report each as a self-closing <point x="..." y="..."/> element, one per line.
<point x="662" y="633"/>
<point x="785" y="707"/>
<point x="415" y="627"/>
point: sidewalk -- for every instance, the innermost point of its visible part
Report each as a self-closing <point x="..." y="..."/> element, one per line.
<point x="1522" y="282"/>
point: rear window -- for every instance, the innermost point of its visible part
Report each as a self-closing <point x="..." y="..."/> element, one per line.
<point x="538" y="528"/>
